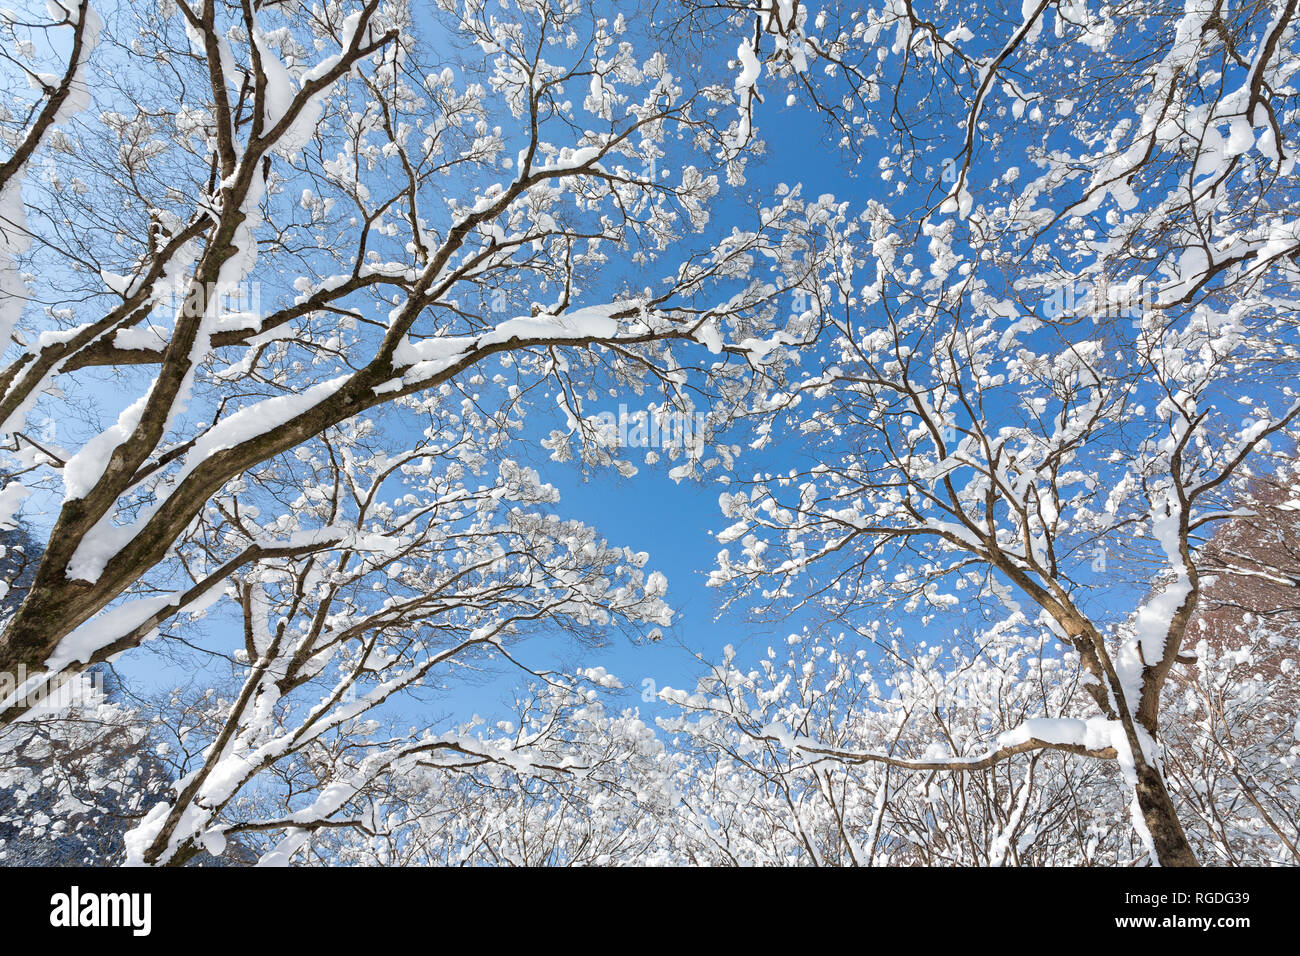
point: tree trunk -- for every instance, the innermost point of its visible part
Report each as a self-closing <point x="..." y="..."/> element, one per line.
<point x="1167" y="836"/>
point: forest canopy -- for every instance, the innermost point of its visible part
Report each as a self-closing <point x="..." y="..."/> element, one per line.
<point x="976" y="325"/>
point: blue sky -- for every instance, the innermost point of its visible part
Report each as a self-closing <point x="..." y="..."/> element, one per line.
<point x="672" y="521"/>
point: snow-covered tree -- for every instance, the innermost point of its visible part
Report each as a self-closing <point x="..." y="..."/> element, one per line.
<point x="597" y="791"/>
<point x="31" y="114"/>
<point x="1063" y="345"/>
<point x="304" y="271"/>
<point x="76" y="774"/>
<point x="829" y="753"/>
<point x="1234" y="744"/>
<point x="269" y="219"/>
<point x="427" y="572"/>
<point x="286" y="287"/>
